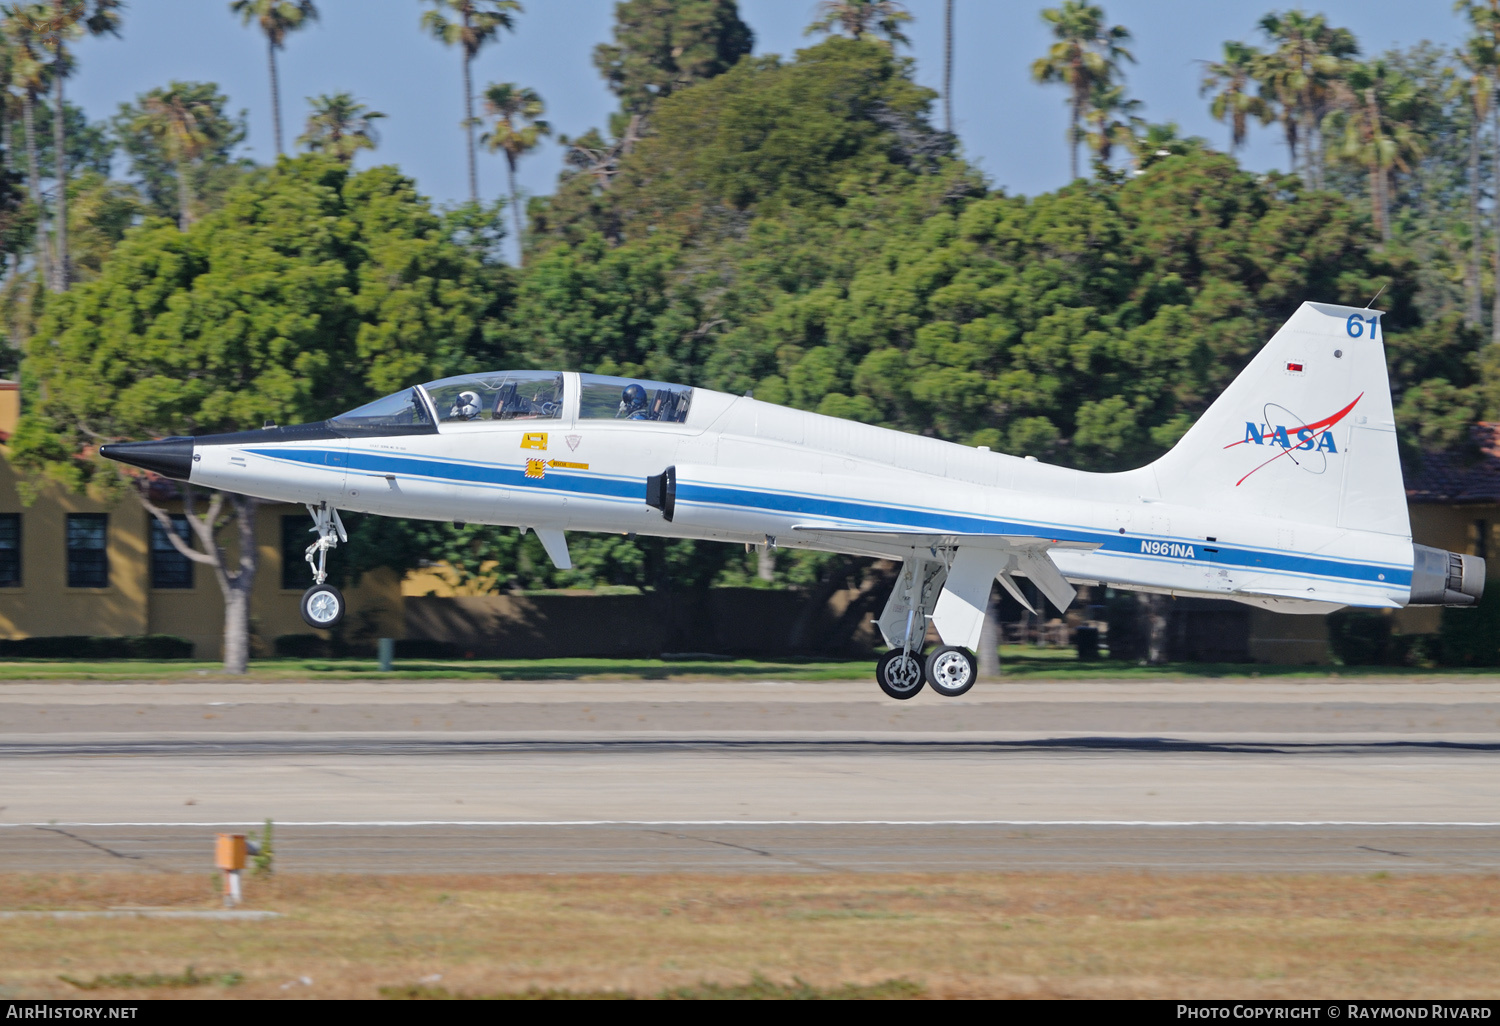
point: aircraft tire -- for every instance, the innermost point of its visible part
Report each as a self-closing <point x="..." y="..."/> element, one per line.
<point x="951" y="670"/>
<point x="322" y="606"/>
<point x="900" y="675"/>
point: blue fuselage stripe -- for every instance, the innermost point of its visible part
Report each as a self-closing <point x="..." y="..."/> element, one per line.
<point x="848" y="511"/>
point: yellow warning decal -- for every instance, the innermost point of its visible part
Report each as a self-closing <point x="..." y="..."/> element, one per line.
<point x="560" y="465"/>
<point x="534" y="440"/>
<point x="536" y="468"/>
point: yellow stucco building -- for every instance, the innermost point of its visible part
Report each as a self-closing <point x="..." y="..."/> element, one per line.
<point x="70" y="565"/>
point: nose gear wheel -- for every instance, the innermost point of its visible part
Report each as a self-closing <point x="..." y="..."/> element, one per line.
<point x="322" y="606"/>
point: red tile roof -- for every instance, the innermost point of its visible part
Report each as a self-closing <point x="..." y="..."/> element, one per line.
<point x="1467" y="476"/>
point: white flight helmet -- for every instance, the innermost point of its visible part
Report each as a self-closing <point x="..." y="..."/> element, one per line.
<point x="466" y="407"/>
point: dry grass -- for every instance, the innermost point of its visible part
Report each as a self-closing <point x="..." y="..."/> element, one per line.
<point x="949" y="935"/>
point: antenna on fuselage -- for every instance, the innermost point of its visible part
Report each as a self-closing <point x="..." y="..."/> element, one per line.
<point x="1375" y="297"/>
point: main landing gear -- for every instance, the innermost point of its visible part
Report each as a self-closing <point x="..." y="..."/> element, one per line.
<point x="323" y="604"/>
<point x="950" y="670"/>
<point x="900" y="673"/>
<point x="903" y="670"/>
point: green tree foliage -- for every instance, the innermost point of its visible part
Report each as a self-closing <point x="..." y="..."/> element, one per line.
<point x="66" y="21"/>
<point x="661" y="46"/>
<point x="1377" y="130"/>
<point x="470" y="25"/>
<point x="1228" y="81"/>
<point x="1302" y="72"/>
<point x="180" y="140"/>
<point x="310" y="291"/>
<point x="860" y="18"/>
<point x="765" y="136"/>
<point x="90" y="146"/>
<point x="100" y="212"/>
<point x="340" y="126"/>
<point x="516" y="128"/>
<point x="1086" y="59"/>
<point x="1090" y="326"/>
<point x="276" y="19"/>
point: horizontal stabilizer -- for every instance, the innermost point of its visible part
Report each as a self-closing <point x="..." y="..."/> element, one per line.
<point x="1325" y="592"/>
<point x="1045" y="575"/>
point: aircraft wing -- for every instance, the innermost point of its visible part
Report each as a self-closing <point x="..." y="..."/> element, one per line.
<point x="922" y="536"/>
<point x="1004" y="554"/>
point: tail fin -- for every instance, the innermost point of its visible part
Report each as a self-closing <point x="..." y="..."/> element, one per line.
<point x="1305" y="433"/>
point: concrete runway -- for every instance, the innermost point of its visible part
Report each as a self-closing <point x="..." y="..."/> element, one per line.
<point x="417" y="776"/>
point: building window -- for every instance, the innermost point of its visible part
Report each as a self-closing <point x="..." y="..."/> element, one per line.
<point x="88" y="560"/>
<point x="170" y="568"/>
<point x="1481" y="539"/>
<point x="295" y="538"/>
<point x="10" y="550"/>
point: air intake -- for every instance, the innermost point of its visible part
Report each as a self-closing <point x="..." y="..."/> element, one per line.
<point x="661" y="492"/>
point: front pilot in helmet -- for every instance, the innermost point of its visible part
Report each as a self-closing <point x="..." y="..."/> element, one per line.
<point x="465" y="407"/>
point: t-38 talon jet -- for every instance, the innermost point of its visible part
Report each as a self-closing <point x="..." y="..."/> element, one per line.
<point x="1285" y="494"/>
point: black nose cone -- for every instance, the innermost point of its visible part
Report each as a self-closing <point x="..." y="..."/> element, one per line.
<point x="169" y="457"/>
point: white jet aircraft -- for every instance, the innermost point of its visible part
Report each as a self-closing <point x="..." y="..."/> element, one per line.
<point x="1285" y="494"/>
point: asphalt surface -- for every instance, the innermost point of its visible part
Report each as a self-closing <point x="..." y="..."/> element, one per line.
<point x="423" y="776"/>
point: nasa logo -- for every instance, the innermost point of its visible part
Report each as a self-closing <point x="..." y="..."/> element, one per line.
<point x="1314" y="437"/>
<point x="1305" y="437"/>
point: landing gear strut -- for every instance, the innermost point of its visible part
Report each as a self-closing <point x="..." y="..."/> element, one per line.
<point x="901" y="672"/>
<point x="323" y="604"/>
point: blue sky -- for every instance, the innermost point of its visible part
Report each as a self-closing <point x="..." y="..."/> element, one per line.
<point x="1011" y="127"/>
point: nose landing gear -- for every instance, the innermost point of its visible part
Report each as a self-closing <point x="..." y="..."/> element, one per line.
<point x="323" y="604"/>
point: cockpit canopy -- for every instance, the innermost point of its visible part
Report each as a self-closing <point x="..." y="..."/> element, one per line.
<point x="517" y="395"/>
<point x="499" y="395"/>
<point x="602" y="398"/>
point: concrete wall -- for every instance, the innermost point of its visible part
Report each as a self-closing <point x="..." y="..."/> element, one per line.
<point x="726" y="621"/>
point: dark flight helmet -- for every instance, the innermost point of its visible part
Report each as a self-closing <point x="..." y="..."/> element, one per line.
<point x="632" y="400"/>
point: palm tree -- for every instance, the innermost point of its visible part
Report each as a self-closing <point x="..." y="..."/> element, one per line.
<point x="65" y="20"/>
<point x="1485" y="18"/>
<point x="1233" y="104"/>
<point x="1479" y="57"/>
<point x="276" y="18"/>
<point x="948" y="66"/>
<point x="1111" y="121"/>
<point x="473" y="23"/>
<point x="1302" y="72"/>
<point x="1086" y="56"/>
<point x="858" y="18"/>
<point x="185" y="124"/>
<point x="25" y="27"/>
<point x="517" y="130"/>
<point x="341" y="126"/>
<point x="1377" y="129"/>
<point x="1159" y="141"/>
